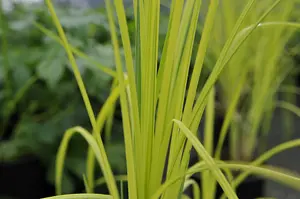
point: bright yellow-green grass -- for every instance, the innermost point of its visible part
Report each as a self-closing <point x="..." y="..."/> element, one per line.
<point x="249" y="84"/>
<point x="161" y="109"/>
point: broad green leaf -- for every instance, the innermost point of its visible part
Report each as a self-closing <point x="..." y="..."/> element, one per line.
<point x="20" y="75"/>
<point x="81" y="19"/>
<point x="105" y="54"/>
<point x="20" y="25"/>
<point x="52" y="68"/>
<point x="74" y="50"/>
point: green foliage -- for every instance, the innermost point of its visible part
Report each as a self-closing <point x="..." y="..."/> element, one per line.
<point x="151" y="98"/>
<point x="160" y="108"/>
<point x="248" y="86"/>
<point x="34" y="113"/>
<point x="81" y="196"/>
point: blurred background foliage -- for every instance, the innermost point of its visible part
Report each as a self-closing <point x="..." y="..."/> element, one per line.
<point x="42" y="100"/>
<point x="39" y="97"/>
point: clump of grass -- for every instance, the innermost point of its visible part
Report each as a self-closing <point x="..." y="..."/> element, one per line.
<point x="160" y="116"/>
<point x="250" y="82"/>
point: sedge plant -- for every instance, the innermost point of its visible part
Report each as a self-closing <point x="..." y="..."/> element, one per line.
<point x="161" y="110"/>
<point x="248" y="86"/>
